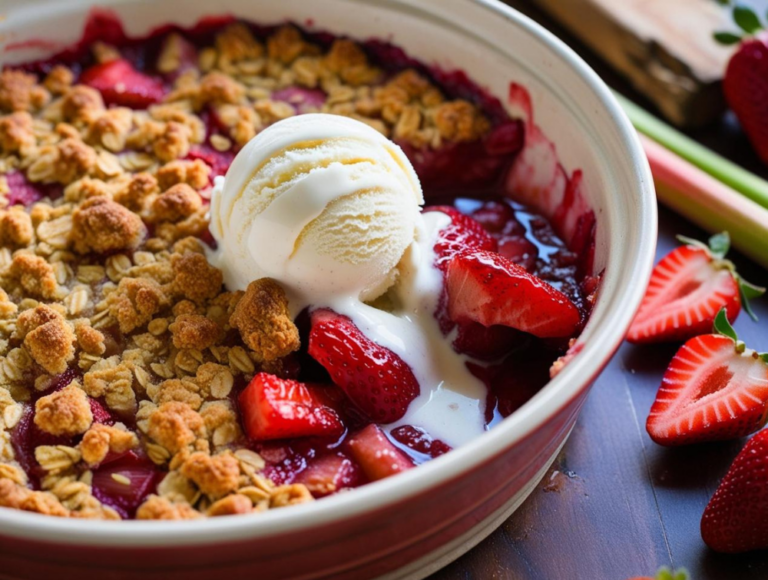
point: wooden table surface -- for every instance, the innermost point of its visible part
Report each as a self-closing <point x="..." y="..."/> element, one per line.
<point x="614" y="504"/>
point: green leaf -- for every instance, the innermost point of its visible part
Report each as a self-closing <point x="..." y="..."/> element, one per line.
<point x="746" y="19"/>
<point x="722" y="326"/>
<point x="764" y="356"/>
<point x="749" y="291"/>
<point x="719" y="244"/>
<point x="665" y="573"/>
<point x="727" y="38"/>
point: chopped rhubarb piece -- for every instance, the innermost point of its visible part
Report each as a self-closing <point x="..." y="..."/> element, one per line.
<point x="274" y="408"/>
<point x="100" y="413"/>
<point x="329" y="474"/>
<point x="121" y="84"/>
<point x="21" y="191"/>
<point x="125" y="483"/>
<point x="487" y="288"/>
<point x="376" y="454"/>
<point x="378" y="381"/>
<point x="420" y="441"/>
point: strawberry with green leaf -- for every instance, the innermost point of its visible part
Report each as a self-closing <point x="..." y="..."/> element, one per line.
<point x="714" y="389"/>
<point x="746" y="79"/>
<point x="688" y="287"/>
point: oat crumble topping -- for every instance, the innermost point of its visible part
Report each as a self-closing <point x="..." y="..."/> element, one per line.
<point x="109" y="281"/>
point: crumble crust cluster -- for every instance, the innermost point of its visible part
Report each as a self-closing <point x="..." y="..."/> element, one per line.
<point x="107" y="278"/>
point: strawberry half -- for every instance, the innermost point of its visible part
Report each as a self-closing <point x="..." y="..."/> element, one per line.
<point x="688" y="287"/>
<point x="275" y="408"/>
<point x="462" y="234"/>
<point x="746" y="79"/>
<point x="121" y="84"/>
<point x="714" y="389"/>
<point x="736" y="518"/>
<point x="375" y="379"/>
<point x="376" y="454"/>
<point x="487" y="288"/>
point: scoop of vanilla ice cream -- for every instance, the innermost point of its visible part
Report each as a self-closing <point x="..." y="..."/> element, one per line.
<point x="324" y="204"/>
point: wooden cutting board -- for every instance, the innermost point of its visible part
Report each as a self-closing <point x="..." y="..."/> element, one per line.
<point x="664" y="47"/>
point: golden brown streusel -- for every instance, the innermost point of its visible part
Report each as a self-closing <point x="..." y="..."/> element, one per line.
<point x="101" y="225"/>
<point x="135" y="302"/>
<point x="19" y="91"/>
<point x="15" y="228"/>
<point x="175" y="425"/>
<point x="232" y="505"/>
<point x="193" y="173"/>
<point x="194" y="278"/>
<point x="16" y="133"/>
<point x="215" y="475"/>
<point x="34" y="274"/>
<point x="65" y="412"/>
<point x="177" y="203"/>
<point x="264" y="322"/>
<point x="159" y="508"/>
<point x="47" y="337"/>
<point x="100" y="440"/>
<point x="195" y="331"/>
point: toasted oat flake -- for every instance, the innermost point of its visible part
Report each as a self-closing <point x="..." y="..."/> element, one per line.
<point x="120" y="478"/>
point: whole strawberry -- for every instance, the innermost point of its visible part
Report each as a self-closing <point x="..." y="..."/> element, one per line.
<point x="688" y="287"/>
<point x="736" y="518"/>
<point x="746" y="78"/>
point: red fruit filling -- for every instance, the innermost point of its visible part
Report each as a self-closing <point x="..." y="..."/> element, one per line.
<point x="124" y="484"/>
<point x="376" y="454"/>
<point x="274" y="408"/>
<point x="325" y="436"/>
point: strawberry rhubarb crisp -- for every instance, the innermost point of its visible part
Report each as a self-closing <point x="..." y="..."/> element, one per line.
<point x="221" y="290"/>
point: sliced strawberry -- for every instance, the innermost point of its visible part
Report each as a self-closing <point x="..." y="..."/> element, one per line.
<point x="373" y="377"/>
<point x="463" y="233"/>
<point x="688" y="288"/>
<point x="125" y="483"/>
<point x="329" y="474"/>
<point x="418" y="440"/>
<point x="274" y="408"/>
<point x="376" y="454"/>
<point x="714" y="389"/>
<point x="487" y="288"/>
<point x="121" y="84"/>
<point x="736" y="518"/>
